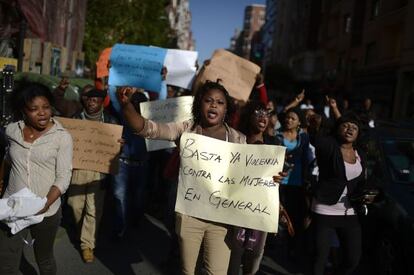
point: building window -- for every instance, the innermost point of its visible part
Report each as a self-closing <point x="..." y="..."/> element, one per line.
<point x="347" y="24"/>
<point x="371" y="53"/>
<point x="375" y="7"/>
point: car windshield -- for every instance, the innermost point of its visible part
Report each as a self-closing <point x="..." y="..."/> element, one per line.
<point x="399" y="155"/>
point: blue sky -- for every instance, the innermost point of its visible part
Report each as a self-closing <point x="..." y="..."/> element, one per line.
<point x="214" y="22"/>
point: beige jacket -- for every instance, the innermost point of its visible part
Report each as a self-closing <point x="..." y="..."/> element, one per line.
<point x="172" y="131"/>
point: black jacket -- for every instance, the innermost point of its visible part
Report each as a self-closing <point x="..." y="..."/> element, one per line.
<point x="332" y="177"/>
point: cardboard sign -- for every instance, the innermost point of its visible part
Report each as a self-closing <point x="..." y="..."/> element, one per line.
<point x="136" y="66"/>
<point x="169" y="110"/>
<point x="95" y="144"/>
<point x="229" y="183"/>
<point x="237" y="74"/>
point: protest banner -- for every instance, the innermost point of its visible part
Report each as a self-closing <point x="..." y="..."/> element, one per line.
<point x="170" y="110"/>
<point x="136" y="66"/>
<point x="96" y="145"/>
<point x="102" y="63"/>
<point x="229" y="183"/>
<point x="181" y="67"/>
<point x="237" y="74"/>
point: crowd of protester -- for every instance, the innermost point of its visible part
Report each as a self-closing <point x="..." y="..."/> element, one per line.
<point x="323" y="168"/>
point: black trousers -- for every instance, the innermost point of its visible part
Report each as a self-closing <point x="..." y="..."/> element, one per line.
<point x="348" y="230"/>
<point x="294" y="200"/>
<point x="11" y="246"/>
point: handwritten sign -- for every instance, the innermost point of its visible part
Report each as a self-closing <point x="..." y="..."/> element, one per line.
<point x="136" y="66"/>
<point x="95" y="144"/>
<point x="237" y="74"/>
<point x="229" y="183"/>
<point x="181" y="67"/>
<point x="102" y="64"/>
<point x="171" y="109"/>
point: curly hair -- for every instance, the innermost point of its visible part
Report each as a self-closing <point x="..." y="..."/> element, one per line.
<point x="27" y="92"/>
<point x="352" y="118"/>
<point x="246" y="115"/>
<point x="202" y="91"/>
<point x="298" y="112"/>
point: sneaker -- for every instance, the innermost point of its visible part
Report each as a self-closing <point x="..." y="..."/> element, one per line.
<point x="87" y="255"/>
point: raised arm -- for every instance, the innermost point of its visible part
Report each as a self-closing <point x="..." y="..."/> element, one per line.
<point x="133" y="118"/>
<point x="333" y="106"/>
<point x="261" y="89"/>
<point x="298" y="99"/>
<point x="65" y="107"/>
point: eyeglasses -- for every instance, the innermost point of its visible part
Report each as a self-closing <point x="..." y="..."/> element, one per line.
<point x="261" y="113"/>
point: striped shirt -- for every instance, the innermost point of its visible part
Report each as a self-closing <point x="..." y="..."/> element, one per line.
<point x="41" y="164"/>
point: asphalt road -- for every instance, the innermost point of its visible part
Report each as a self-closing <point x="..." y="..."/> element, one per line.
<point x="145" y="249"/>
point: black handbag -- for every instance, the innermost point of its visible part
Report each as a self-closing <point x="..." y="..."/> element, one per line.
<point x="365" y="196"/>
<point x="359" y="200"/>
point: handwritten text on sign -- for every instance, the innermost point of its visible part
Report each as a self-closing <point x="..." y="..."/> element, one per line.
<point x="229" y="183"/>
<point x="136" y="66"/>
<point x="169" y="110"/>
<point x="95" y="144"/>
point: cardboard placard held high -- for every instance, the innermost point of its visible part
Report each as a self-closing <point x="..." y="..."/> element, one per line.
<point x="237" y="74"/>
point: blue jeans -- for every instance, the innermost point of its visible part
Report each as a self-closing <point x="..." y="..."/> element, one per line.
<point x="129" y="192"/>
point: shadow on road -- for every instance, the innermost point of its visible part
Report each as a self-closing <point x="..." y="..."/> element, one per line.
<point x="143" y="248"/>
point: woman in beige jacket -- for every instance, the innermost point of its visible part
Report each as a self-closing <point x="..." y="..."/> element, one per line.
<point x="212" y="108"/>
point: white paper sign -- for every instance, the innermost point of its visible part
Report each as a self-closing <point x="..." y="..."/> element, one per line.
<point x="181" y="67"/>
<point x="229" y="183"/>
<point x="172" y="109"/>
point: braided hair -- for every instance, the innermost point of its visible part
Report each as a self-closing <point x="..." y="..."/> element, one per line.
<point x="202" y="91"/>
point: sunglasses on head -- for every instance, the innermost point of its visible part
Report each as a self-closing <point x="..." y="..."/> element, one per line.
<point x="261" y="113"/>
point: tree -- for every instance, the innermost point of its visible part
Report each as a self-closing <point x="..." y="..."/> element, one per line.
<point x="124" y="21"/>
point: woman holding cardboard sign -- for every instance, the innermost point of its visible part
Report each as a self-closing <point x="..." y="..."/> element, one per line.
<point x="212" y="108"/>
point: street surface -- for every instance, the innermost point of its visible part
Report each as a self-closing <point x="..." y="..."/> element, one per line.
<point x="145" y="250"/>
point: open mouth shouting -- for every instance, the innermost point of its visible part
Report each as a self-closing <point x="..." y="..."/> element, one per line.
<point x="212" y="114"/>
<point x="43" y="121"/>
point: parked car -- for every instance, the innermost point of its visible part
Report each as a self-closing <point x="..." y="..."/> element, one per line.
<point x="388" y="229"/>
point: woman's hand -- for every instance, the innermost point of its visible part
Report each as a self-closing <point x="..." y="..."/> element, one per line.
<point x="121" y="141"/>
<point x="44" y="210"/>
<point x="259" y="80"/>
<point x="124" y="94"/>
<point x="278" y="179"/>
<point x="333" y="106"/>
<point x="52" y="196"/>
<point x="331" y="102"/>
<point x="300" y="97"/>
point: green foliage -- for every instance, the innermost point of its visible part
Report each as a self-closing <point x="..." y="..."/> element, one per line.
<point x="108" y="22"/>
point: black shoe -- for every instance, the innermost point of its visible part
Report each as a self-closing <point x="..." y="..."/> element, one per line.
<point x="118" y="236"/>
